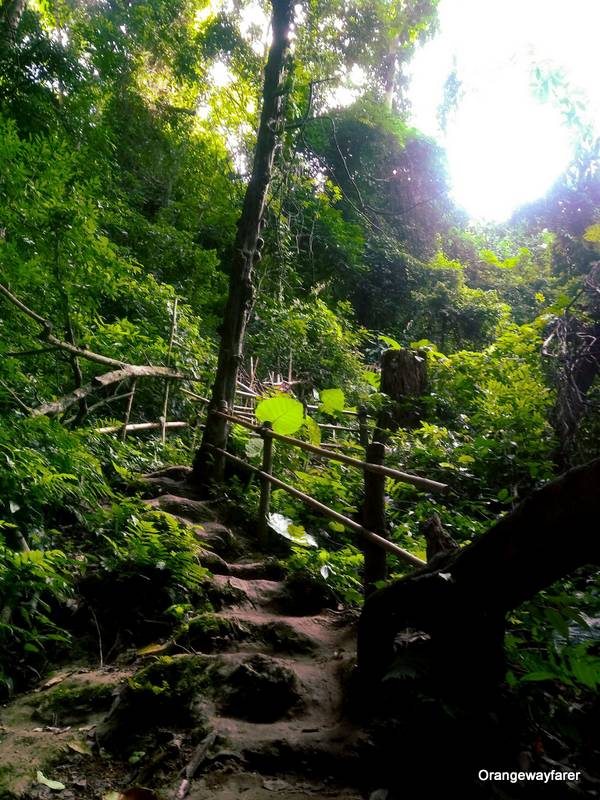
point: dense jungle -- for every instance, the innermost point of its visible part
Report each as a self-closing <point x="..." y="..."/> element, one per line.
<point x="299" y="461"/>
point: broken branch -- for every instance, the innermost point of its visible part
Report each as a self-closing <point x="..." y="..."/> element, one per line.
<point x="100" y="381"/>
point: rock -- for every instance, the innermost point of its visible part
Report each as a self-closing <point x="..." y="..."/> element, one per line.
<point x="277" y="785"/>
<point x="195" y="511"/>
<point x="216" y="535"/>
<point x="282" y="638"/>
<point x="69" y="705"/>
<point x="260" y="690"/>
<point x="271" y="569"/>
<point x="214" y="562"/>
<point x="178" y="472"/>
<point x="161" y="694"/>
<point x="209" y="633"/>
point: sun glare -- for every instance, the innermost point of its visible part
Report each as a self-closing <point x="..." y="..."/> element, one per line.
<point x="504" y="147"/>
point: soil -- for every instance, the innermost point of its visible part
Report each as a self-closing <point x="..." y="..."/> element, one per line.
<point x="265" y="702"/>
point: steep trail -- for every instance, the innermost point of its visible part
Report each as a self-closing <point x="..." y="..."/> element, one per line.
<point x="271" y="711"/>
<point x="311" y="741"/>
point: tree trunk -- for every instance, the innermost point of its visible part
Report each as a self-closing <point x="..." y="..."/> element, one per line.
<point x="11" y="12"/>
<point x="576" y="366"/>
<point x="404" y="381"/>
<point x="451" y="614"/>
<point x="207" y="465"/>
<point x="373" y="518"/>
<point x="390" y="69"/>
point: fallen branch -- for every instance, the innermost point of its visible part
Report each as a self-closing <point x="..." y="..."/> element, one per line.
<point x="81" y="352"/>
<point x="99" y="382"/>
<point x="141" y="426"/>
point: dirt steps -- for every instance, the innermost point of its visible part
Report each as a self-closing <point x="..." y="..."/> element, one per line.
<point x="311" y="739"/>
<point x="269" y="688"/>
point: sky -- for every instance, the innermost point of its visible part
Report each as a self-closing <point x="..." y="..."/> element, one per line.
<point x="504" y="146"/>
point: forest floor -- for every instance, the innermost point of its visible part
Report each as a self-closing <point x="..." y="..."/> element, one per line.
<point x="247" y="703"/>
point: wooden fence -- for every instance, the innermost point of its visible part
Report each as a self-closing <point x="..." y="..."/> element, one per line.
<point x="373" y="527"/>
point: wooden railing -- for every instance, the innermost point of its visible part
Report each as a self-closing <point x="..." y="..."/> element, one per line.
<point x="373" y="529"/>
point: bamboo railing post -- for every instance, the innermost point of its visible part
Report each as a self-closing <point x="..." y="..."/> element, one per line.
<point x="265" y="485"/>
<point x="128" y="410"/>
<point x="363" y="430"/>
<point x="351" y="524"/>
<point x="374" y="519"/>
<point x="163" y="419"/>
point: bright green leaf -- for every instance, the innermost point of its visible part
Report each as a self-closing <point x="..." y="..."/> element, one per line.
<point x="332" y="400"/>
<point x="285" y="414"/>
<point x="56" y="786"/>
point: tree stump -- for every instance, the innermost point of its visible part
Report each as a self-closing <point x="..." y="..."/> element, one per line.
<point x="404" y="381"/>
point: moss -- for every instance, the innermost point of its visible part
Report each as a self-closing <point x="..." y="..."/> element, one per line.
<point x="223" y="595"/>
<point x="164" y="693"/>
<point x="172" y="677"/>
<point x="282" y="638"/>
<point x="209" y="633"/>
<point x="66" y="705"/>
<point x="8" y="774"/>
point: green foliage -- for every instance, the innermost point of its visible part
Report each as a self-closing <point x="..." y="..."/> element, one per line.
<point x="48" y="475"/>
<point x="340" y="570"/>
<point x="285" y="414"/>
<point x="324" y="345"/>
<point x="31" y="584"/>
<point x="123" y="164"/>
<point x="486" y="434"/>
<point x="550" y="639"/>
<point x="156" y="540"/>
<point x="332" y="401"/>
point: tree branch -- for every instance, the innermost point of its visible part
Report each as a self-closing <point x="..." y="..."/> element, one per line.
<point x="81" y="352"/>
<point x="100" y="381"/>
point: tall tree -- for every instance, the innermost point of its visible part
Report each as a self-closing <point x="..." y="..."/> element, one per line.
<point x="11" y="12"/>
<point x="208" y="464"/>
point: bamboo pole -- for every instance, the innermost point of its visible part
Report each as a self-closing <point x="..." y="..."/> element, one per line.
<point x="404" y="555"/>
<point x="405" y="477"/>
<point x="194" y="396"/>
<point x="363" y="427"/>
<point x="265" y="488"/>
<point x="128" y="411"/>
<point x="373" y="517"/>
<point x="142" y="426"/>
<point x="168" y="385"/>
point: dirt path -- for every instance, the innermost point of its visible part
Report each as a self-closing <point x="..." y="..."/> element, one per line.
<point x="272" y="710"/>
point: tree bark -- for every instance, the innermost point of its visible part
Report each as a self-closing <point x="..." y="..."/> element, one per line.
<point x="390" y="69"/>
<point x="404" y="381"/>
<point x="11" y="12"/>
<point x="208" y="465"/>
<point x="457" y="605"/>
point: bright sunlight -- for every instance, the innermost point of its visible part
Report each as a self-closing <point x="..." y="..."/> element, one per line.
<point x="504" y="146"/>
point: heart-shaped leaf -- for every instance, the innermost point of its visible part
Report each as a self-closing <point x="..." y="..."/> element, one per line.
<point x="285" y="414"/>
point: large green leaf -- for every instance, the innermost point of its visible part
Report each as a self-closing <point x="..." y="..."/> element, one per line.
<point x="332" y="400"/>
<point x="391" y="343"/>
<point x="592" y="233"/>
<point x="285" y="414"/>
